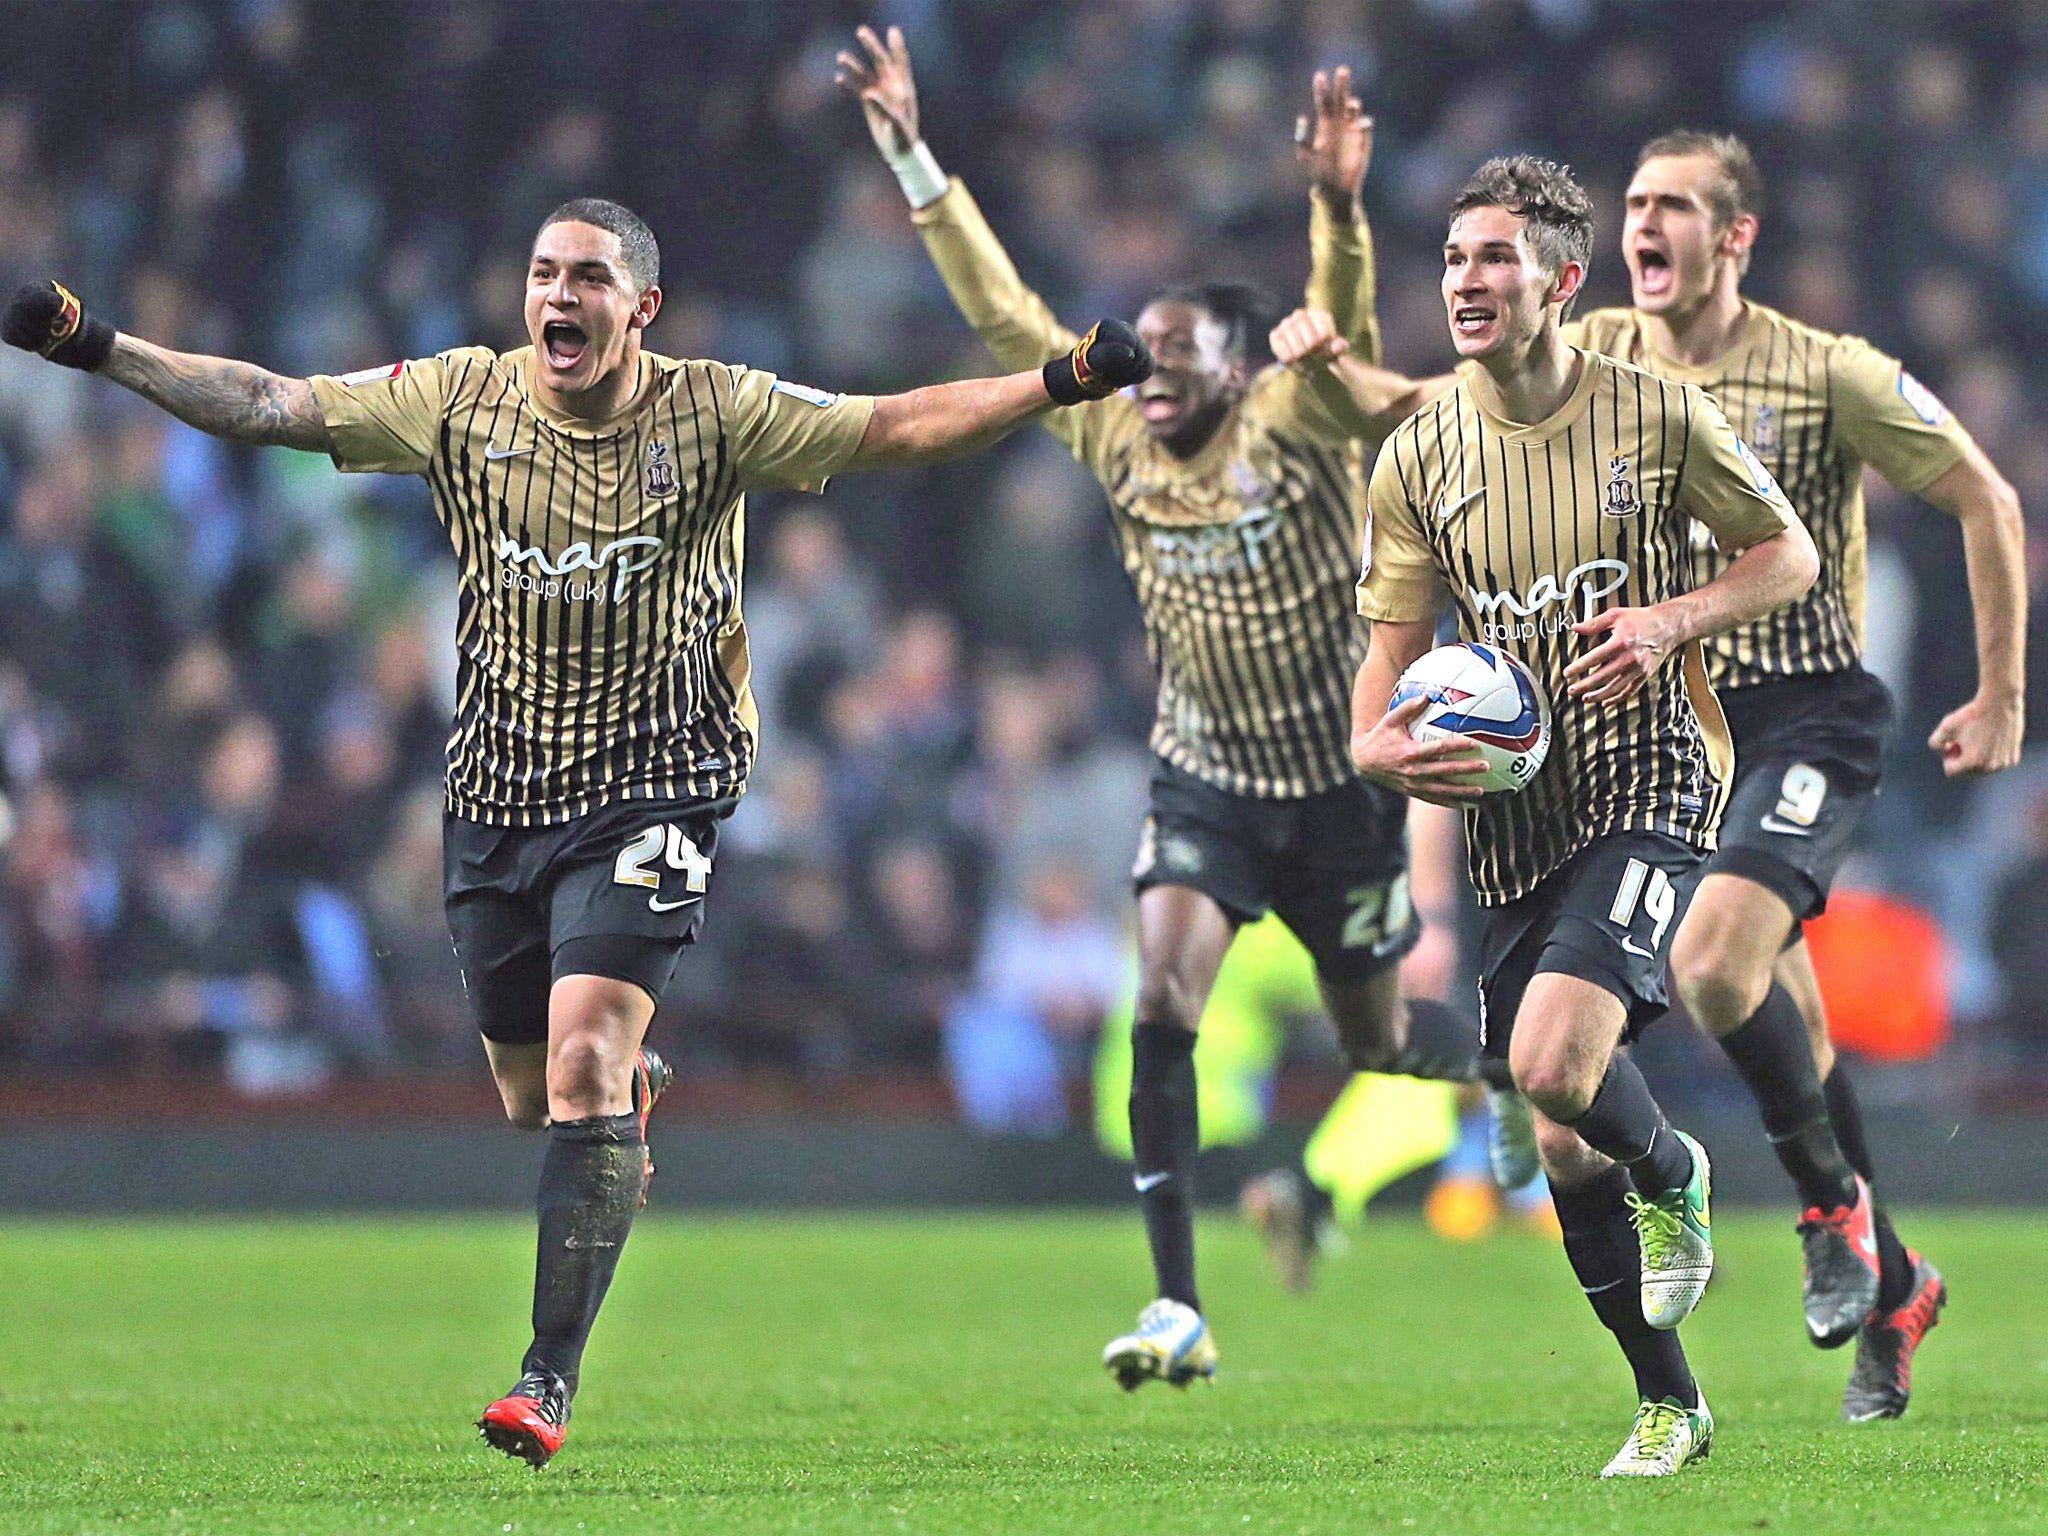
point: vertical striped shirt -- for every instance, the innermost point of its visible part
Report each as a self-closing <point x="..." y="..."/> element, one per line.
<point x="602" y="652"/>
<point x="1242" y="555"/>
<point x="1815" y="408"/>
<point x="1525" y="530"/>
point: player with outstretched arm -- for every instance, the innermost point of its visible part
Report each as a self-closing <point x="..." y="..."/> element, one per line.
<point x="1809" y="723"/>
<point x="1548" y="500"/>
<point x="594" y="493"/>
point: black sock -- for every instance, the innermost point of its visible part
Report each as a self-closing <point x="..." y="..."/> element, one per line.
<point x="1443" y="1044"/>
<point x="591" y="1180"/>
<point x="1845" y="1113"/>
<point x="1773" y="1054"/>
<point x="1606" y="1257"/>
<point x="1625" y="1122"/>
<point x="1165" y="1135"/>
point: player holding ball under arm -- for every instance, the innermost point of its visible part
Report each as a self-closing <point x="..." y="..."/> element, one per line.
<point x="1235" y="497"/>
<point x="595" y="497"/>
<point x="1548" y="499"/>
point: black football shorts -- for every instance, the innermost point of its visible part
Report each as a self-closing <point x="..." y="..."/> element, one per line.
<point x="1807" y="757"/>
<point x="615" y="893"/>
<point x="1334" y="865"/>
<point x="1606" y="916"/>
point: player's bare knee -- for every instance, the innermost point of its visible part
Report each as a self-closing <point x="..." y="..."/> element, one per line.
<point x="1552" y="1076"/>
<point x="1719" y="986"/>
<point x="587" y="1071"/>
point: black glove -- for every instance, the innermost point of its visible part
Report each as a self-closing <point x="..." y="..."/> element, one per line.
<point x="47" y="318"/>
<point x="1107" y="359"/>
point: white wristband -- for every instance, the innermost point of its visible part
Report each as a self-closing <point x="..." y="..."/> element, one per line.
<point x="918" y="174"/>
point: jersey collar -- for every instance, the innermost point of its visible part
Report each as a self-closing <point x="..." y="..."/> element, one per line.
<point x="1486" y="400"/>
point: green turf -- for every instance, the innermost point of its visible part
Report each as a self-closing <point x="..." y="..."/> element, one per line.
<point x="937" y="1374"/>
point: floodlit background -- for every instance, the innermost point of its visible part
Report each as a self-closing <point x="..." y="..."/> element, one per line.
<point x="224" y="674"/>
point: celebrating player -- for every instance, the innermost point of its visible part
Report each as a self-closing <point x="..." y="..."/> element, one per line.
<point x="1236" y="500"/>
<point x="1808" y="721"/>
<point x="594" y="494"/>
<point x="1549" y="498"/>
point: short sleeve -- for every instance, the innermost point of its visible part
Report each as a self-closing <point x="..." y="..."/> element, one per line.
<point x="1889" y="419"/>
<point x="1725" y="486"/>
<point x="385" y="419"/>
<point x="1400" y="582"/>
<point x="789" y="436"/>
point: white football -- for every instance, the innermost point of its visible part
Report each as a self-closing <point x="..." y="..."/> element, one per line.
<point x="1481" y="692"/>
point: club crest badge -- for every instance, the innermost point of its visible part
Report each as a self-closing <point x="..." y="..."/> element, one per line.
<point x="1764" y="436"/>
<point x="661" y="474"/>
<point x="1622" y="500"/>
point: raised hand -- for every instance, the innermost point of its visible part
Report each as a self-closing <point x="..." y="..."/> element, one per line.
<point x="47" y="318"/>
<point x="885" y="87"/>
<point x="1334" y="144"/>
<point x="1109" y="358"/>
<point x="1307" y="336"/>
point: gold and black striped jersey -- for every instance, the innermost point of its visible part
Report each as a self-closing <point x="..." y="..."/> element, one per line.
<point x="1815" y="407"/>
<point x="1525" y="530"/>
<point x="602" y="653"/>
<point x="1242" y="555"/>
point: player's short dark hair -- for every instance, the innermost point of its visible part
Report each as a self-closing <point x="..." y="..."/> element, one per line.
<point x="1738" y="186"/>
<point x="1557" y="213"/>
<point x="637" y="245"/>
<point x="1246" y="312"/>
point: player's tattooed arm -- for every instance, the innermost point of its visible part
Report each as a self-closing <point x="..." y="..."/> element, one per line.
<point x="1983" y="734"/>
<point x="221" y="396"/>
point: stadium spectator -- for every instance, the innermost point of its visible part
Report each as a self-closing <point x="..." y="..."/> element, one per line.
<point x="943" y="661"/>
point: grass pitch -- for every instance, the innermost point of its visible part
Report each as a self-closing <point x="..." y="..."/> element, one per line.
<point x="938" y="1374"/>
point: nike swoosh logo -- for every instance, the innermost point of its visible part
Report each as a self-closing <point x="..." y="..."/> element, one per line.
<point x="656" y="904"/>
<point x="1634" y="948"/>
<point x="1444" y="508"/>
<point x="494" y="452"/>
<point x="1772" y="824"/>
<point x="1145" y="1181"/>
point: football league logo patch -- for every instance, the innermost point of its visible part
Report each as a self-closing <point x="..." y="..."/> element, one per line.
<point x="1764" y="483"/>
<point x="1926" y="404"/>
<point x="804" y="392"/>
<point x="661" y="475"/>
<point x="371" y="375"/>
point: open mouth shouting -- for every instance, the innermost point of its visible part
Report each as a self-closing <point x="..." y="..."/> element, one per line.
<point x="1653" y="273"/>
<point x="1472" y="322"/>
<point x="564" y="343"/>
<point x="1160" y="401"/>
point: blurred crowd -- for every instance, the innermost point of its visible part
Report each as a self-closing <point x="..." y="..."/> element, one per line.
<point x="225" y="674"/>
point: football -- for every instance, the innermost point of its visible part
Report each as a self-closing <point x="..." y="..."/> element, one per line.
<point x="1483" y="693"/>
